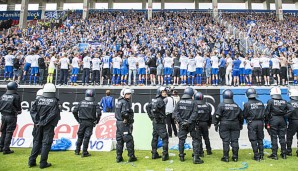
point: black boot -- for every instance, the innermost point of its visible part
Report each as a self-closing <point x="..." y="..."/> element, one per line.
<point x="132" y="158"/>
<point x="289" y="153"/>
<point x="209" y="152"/>
<point x="77" y="152"/>
<point x="31" y="164"/>
<point x="165" y="156"/>
<point x="283" y="155"/>
<point x="86" y="154"/>
<point x="155" y="155"/>
<point x="235" y="158"/>
<point x="45" y="166"/>
<point x="225" y="159"/>
<point x="273" y="156"/>
<point x="257" y="158"/>
<point x="182" y="157"/>
<point x="8" y="152"/>
<point x="197" y="160"/>
<point x="119" y="159"/>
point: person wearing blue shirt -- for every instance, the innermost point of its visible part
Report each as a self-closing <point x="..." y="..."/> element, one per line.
<point x="107" y="102"/>
<point x="236" y="70"/>
<point x="222" y="69"/>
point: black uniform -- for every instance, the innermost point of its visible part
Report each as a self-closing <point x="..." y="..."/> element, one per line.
<point x="254" y="114"/>
<point x="275" y="113"/>
<point x="124" y="116"/>
<point x="88" y="114"/>
<point x="186" y="115"/>
<point x="10" y="107"/>
<point x="46" y="114"/>
<point x="293" y="126"/>
<point x="156" y="111"/>
<point x="229" y="118"/>
<point x="203" y="123"/>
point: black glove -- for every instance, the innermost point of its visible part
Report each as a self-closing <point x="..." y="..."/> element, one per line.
<point x="184" y="125"/>
<point x="216" y="127"/>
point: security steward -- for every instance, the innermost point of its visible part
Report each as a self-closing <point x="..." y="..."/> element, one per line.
<point x="125" y="119"/>
<point x="203" y="122"/>
<point x="10" y="107"/>
<point x="157" y="114"/>
<point x="88" y="114"/>
<point x="254" y="114"/>
<point x="186" y="115"/>
<point x="275" y="113"/>
<point x="47" y="113"/>
<point x="229" y="121"/>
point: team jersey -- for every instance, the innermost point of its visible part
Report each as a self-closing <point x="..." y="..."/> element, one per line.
<point x="141" y="62"/>
<point x="214" y="60"/>
<point x="295" y="63"/>
<point x="106" y="60"/>
<point x="265" y="62"/>
<point x="275" y="63"/>
<point x="87" y="62"/>
<point x="168" y="62"/>
<point x="116" y="62"/>
<point x="247" y="64"/>
<point x="34" y="62"/>
<point x="191" y="65"/>
<point x="256" y="62"/>
<point x="52" y="62"/>
<point x="64" y="63"/>
<point x="75" y="62"/>
<point x="28" y="59"/>
<point x="199" y="61"/>
<point x="95" y="64"/>
<point x="132" y="63"/>
<point x="8" y="60"/>
<point x="242" y="62"/>
<point x="229" y="63"/>
<point x="183" y="62"/>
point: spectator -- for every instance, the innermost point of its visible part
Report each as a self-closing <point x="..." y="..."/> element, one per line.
<point x="107" y="102"/>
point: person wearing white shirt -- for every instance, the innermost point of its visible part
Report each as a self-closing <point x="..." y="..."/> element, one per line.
<point x="86" y="69"/>
<point x="294" y="63"/>
<point x="51" y="69"/>
<point x="183" y="68"/>
<point x="168" y="68"/>
<point x="95" y="69"/>
<point x="199" y="68"/>
<point x="248" y="70"/>
<point x="75" y="63"/>
<point x="276" y="69"/>
<point x="229" y="68"/>
<point x="27" y="66"/>
<point x="191" y="69"/>
<point x="142" y="69"/>
<point x="132" y="65"/>
<point x="106" y="64"/>
<point x="64" y="63"/>
<point x="116" y="61"/>
<point x="34" y="67"/>
<point x="255" y="62"/>
<point x="8" y="70"/>
<point x="242" y="71"/>
<point x="265" y="62"/>
<point x="214" y="69"/>
<point x="170" y="106"/>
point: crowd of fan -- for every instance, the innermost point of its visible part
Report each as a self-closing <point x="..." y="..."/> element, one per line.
<point x="173" y="48"/>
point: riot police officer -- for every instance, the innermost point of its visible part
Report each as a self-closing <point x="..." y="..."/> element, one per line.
<point x="10" y="107"/>
<point x="47" y="114"/>
<point x="156" y="112"/>
<point x="293" y="121"/>
<point x="33" y="115"/>
<point x="203" y="122"/>
<point x="229" y="121"/>
<point x="88" y="114"/>
<point x="254" y="114"/>
<point x="275" y="113"/>
<point x="186" y="115"/>
<point x="124" y="123"/>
